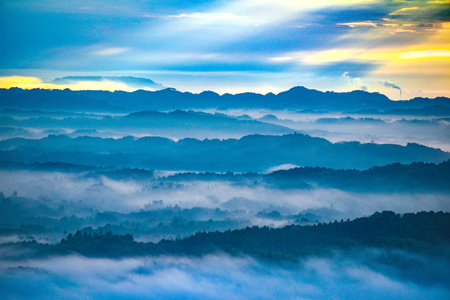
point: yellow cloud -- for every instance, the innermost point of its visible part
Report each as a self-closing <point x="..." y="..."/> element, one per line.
<point x="404" y="10"/>
<point x="358" y="24"/>
<point x="328" y="56"/>
<point x="23" y="82"/>
<point x="35" y="83"/>
<point x="306" y="4"/>
<point x="401" y="30"/>
<point x="385" y="28"/>
<point x="382" y="55"/>
<point x="425" y="54"/>
<point x="439" y="1"/>
<point x="418" y="69"/>
<point x="390" y="24"/>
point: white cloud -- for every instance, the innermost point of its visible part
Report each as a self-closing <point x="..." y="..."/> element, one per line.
<point x="220" y="277"/>
<point x="111" y="51"/>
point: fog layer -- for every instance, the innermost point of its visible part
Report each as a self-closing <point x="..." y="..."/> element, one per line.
<point x="366" y="275"/>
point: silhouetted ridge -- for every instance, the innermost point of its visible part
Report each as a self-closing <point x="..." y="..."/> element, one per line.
<point x="423" y="232"/>
<point x="250" y="153"/>
<point x="171" y="99"/>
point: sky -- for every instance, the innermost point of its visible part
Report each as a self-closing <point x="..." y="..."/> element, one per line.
<point x="398" y="48"/>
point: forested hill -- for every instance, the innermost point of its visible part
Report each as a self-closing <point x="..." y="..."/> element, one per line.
<point x="411" y="178"/>
<point x="425" y="232"/>
<point x="396" y="177"/>
<point x="251" y="153"/>
<point x="415" y="177"/>
<point x="170" y="99"/>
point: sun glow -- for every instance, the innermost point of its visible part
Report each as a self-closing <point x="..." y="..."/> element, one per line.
<point x="36" y="83"/>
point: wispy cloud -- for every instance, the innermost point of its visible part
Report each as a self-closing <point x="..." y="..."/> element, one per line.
<point x="275" y="37"/>
<point x="359" y="24"/>
<point x="438" y="53"/>
<point x="208" y="16"/>
<point x="111" y="51"/>
<point x="405" y="10"/>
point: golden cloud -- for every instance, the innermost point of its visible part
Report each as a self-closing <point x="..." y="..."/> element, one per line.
<point x="36" y="83"/>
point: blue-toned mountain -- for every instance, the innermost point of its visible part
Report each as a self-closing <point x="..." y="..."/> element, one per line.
<point x="171" y="99"/>
<point x="250" y="153"/>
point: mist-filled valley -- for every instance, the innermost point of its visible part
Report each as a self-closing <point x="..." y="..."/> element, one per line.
<point x="230" y="149"/>
<point x="224" y="277"/>
<point x="154" y="200"/>
<point x="46" y="200"/>
<point x="430" y="128"/>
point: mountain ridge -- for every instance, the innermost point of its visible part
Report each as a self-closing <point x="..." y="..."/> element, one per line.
<point x="171" y="99"/>
<point x="249" y="153"/>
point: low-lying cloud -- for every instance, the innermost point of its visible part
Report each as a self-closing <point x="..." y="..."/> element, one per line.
<point x="222" y="277"/>
<point x="123" y="195"/>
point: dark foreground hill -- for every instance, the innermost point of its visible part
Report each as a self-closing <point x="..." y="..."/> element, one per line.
<point x="423" y="232"/>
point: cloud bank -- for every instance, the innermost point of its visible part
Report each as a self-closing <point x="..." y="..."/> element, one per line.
<point x="224" y="277"/>
<point x="80" y="83"/>
<point x="124" y="195"/>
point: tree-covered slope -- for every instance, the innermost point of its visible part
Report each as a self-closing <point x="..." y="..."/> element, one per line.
<point x="250" y="153"/>
<point x="424" y="232"/>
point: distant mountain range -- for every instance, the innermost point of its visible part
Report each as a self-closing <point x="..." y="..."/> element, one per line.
<point x="432" y="110"/>
<point x="412" y="178"/>
<point x="415" y="177"/>
<point x="170" y="99"/>
<point x="176" y="124"/>
<point x="131" y="82"/>
<point x="189" y="122"/>
<point x="251" y="153"/>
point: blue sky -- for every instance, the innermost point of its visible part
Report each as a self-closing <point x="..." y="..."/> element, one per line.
<point x="231" y="46"/>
